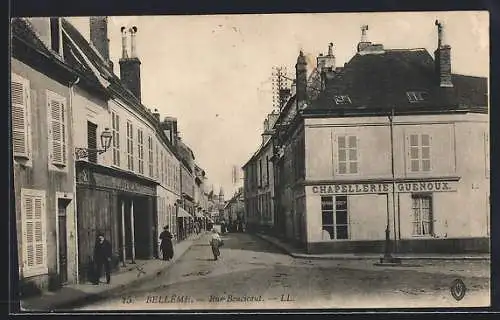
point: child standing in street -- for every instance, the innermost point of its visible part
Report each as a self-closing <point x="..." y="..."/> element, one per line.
<point x="215" y="243"/>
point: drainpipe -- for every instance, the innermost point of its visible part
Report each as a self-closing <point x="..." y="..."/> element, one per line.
<point x="75" y="213"/>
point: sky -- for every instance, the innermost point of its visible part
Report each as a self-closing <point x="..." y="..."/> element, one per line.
<point x="214" y="72"/>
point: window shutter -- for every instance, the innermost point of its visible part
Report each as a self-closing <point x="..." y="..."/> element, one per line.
<point x="58" y="130"/>
<point x="39" y="233"/>
<point x="29" y="243"/>
<point x="20" y="116"/>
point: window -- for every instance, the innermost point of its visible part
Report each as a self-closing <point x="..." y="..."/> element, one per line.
<point x="21" y="135"/>
<point x="140" y="150"/>
<point x="334" y="218"/>
<point x="56" y="106"/>
<point x="420" y="157"/>
<point x="34" y="242"/>
<point x="92" y="141"/>
<point x="260" y="173"/>
<point x="347" y="154"/>
<point x="157" y="164"/>
<point x="422" y="215"/>
<point x="162" y="173"/>
<point x="267" y="169"/>
<point x="115" y="125"/>
<point x="344" y="99"/>
<point x="55" y="34"/>
<point x="130" y="146"/>
<point x="150" y="156"/>
<point x="416" y="96"/>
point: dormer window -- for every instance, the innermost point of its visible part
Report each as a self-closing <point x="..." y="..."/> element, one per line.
<point x="344" y="99"/>
<point x="416" y="96"/>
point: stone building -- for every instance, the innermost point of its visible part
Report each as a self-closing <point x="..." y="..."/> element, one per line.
<point x="394" y="146"/>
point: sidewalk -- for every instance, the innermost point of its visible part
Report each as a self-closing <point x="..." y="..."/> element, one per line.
<point x="79" y="294"/>
<point x="300" y="254"/>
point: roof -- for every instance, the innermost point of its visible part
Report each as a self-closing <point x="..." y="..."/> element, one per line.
<point x="24" y="34"/>
<point x="381" y="80"/>
<point x="94" y="63"/>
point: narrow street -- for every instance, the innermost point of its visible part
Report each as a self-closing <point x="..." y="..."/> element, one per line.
<point x="253" y="274"/>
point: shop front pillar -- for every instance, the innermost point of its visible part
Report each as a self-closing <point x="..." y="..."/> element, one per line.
<point x="124" y="251"/>
<point x="132" y="228"/>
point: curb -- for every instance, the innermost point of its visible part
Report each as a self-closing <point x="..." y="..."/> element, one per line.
<point x="316" y="257"/>
<point x="94" y="297"/>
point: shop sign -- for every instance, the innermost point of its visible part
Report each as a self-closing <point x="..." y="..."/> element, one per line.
<point x="117" y="183"/>
<point x="375" y="188"/>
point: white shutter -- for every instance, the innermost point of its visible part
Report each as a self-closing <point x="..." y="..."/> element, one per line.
<point x="34" y="233"/>
<point x="19" y="89"/>
<point x="57" y="128"/>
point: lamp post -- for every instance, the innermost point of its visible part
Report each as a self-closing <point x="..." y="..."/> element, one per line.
<point x="388" y="257"/>
<point x="106" y="137"/>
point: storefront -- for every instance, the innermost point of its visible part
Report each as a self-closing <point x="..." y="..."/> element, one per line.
<point x="121" y="206"/>
<point x="422" y="216"/>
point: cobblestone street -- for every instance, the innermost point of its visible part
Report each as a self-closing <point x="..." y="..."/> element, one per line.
<point x="253" y="270"/>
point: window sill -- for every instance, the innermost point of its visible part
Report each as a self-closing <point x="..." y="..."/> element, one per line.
<point x="424" y="237"/>
<point x="33" y="272"/>
<point x="59" y="167"/>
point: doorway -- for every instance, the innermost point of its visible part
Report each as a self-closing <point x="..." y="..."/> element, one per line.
<point x="62" y="213"/>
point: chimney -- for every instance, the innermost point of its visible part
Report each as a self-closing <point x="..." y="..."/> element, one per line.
<point x="442" y="59"/>
<point x="156" y="114"/>
<point x="326" y="62"/>
<point x="364" y="43"/>
<point x="170" y="124"/>
<point x="301" y="76"/>
<point x="130" y="67"/>
<point x="99" y="37"/>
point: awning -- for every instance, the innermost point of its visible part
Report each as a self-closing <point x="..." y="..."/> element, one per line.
<point x="181" y="213"/>
<point x="199" y="215"/>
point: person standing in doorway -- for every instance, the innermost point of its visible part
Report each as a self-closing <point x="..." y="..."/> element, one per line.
<point x="102" y="258"/>
<point x="166" y="246"/>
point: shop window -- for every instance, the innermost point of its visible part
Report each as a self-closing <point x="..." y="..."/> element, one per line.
<point x="422" y="215"/>
<point x="347" y="155"/>
<point x="335" y="220"/>
<point x="420" y="152"/>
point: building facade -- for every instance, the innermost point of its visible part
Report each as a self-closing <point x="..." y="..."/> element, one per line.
<point x="110" y="165"/>
<point x="42" y="156"/>
<point x="259" y="191"/>
<point x="394" y="144"/>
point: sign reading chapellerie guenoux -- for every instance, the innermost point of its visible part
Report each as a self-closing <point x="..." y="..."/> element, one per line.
<point x="360" y="188"/>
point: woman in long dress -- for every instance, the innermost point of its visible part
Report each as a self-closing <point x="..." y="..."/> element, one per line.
<point x="166" y="245"/>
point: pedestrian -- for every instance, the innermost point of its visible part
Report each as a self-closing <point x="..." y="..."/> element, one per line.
<point x="215" y="243"/>
<point x="166" y="246"/>
<point x="102" y="258"/>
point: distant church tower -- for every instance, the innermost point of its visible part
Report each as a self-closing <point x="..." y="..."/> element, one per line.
<point x="221" y="196"/>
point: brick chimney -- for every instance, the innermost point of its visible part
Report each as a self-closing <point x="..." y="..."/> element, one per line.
<point x="442" y="59"/>
<point x="130" y="67"/>
<point x="301" y="76"/>
<point x="99" y="37"/>
<point x="169" y="127"/>
<point x="364" y="43"/>
<point x="324" y="63"/>
<point x="156" y="114"/>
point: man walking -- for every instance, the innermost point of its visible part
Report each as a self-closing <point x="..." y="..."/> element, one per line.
<point x="102" y="258"/>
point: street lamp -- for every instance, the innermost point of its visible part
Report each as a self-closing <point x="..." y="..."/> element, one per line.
<point x="106" y="138"/>
<point x="388" y="258"/>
